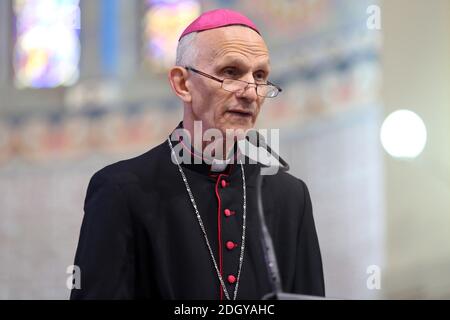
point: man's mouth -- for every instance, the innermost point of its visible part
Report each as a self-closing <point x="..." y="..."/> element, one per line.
<point x="241" y="113"/>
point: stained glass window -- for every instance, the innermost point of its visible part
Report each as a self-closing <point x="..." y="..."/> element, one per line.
<point x="47" y="46"/>
<point x="163" y="23"/>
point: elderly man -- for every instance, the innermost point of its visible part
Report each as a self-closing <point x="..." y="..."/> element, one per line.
<point x="158" y="226"/>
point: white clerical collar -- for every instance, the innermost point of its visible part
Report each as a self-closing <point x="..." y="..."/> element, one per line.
<point x="219" y="165"/>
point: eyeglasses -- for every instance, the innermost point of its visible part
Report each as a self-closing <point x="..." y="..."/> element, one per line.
<point x="267" y="90"/>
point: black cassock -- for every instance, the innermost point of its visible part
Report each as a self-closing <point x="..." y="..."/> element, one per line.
<point x="140" y="237"/>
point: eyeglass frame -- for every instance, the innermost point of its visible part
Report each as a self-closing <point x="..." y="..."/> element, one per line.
<point x="222" y="80"/>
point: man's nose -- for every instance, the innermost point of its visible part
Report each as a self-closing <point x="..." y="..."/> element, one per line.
<point x="249" y="92"/>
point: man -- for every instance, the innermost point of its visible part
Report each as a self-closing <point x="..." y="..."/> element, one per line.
<point x="158" y="226"/>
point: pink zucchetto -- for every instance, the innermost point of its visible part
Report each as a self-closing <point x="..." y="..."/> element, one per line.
<point x="216" y="19"/>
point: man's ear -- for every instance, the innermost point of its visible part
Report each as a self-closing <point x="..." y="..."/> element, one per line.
<point x="178" y="78"/>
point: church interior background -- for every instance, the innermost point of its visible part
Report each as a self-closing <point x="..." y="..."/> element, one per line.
<point x="83" y="83"/>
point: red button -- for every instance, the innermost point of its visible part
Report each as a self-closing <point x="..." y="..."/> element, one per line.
<point x="231" y="279"/>
<point x="227" y="212"/>
<point x="230" y="245"/>
<point x="224" y="183"/>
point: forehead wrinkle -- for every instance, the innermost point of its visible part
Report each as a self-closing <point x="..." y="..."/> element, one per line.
<point x="242" y="47"/>
<point x="234" y="41"/>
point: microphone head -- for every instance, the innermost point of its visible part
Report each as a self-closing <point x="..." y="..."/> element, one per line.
<point x="255" y="138"/>
<point x="258" y="140"/>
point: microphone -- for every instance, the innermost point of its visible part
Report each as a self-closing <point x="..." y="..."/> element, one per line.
<point x="258" y="140"/>
<point x="273" y="273"/>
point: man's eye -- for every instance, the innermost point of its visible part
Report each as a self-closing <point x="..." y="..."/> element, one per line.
<point x="230" y="72"/>
<point x="260" y="77"/>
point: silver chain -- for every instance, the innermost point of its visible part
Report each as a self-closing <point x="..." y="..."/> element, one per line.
<point x="200" y="221"/>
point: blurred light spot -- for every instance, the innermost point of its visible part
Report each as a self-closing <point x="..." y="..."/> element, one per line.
<point x="403" y="134"/>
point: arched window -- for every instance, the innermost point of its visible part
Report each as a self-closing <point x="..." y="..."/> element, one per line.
<point x="47" y="45"/>
<point x="164" y="21"/>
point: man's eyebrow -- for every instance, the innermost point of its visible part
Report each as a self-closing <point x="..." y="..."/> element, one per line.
<point x="240" y="62"/>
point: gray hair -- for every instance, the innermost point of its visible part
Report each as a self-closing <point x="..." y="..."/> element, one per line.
<point x="187" y="50"/>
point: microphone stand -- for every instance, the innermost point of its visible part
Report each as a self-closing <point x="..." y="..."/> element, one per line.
<point x="267" y="243"/>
